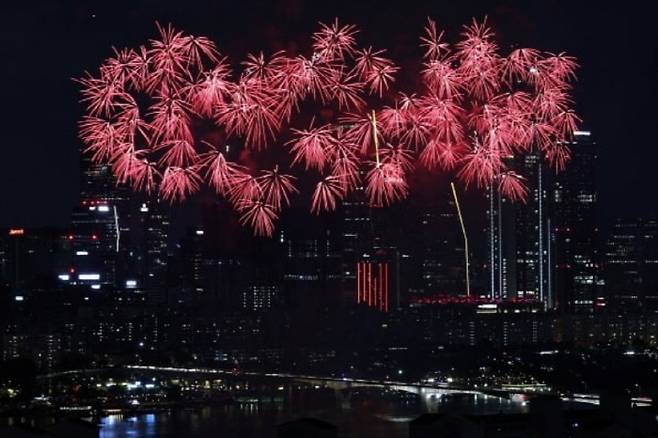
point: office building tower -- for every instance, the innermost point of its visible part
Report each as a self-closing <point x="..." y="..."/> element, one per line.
<point x="356" y="237"/>
<point x="203" y="274"/>
<point x="312" y="267"/>
<point x="261" y="297"/>
<point x="26" y="257"/>
<point x="630" y="265"/>
<point x="439" y="250"/>
<point x="501" y="246"/>
<point x="574" y="202"/>
<point x="532" y="233"/>
<point x="117" y="239"/>
<point x="379" y="278"/>
<point x="142" y="260"/>
<point x="373" y="285"/>
<point x="92" y="244"/>
<point x="519" y="236"/>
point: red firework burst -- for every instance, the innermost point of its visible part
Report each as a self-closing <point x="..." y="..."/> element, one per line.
<point x="327" y="193"/>
<point x="312" y="146"/>
<point x="152" y="113"/>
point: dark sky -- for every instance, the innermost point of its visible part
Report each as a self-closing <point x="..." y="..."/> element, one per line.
<point x="45" y="43"/>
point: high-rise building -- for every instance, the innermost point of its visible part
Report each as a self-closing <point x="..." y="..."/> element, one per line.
<point x="26" y="256"/>
<point x="373" y="290"/>
<point x="379" y="278"/>
<point x="532" y="233"/>
<point x="356" y="237"/>
<point x="193" y="252"/>
<point x="92" y="245"/>
<point x="545" y="248"/>
<point x="519" y="237"/>
<point x="575" y="201"/>
<point x="116" y="240"/>
<point x="312" y="267"/>
<point x="501" y="246"/>
<point x="630" y="264"/>
<point x="142" y="260"/>
<point x="202" y="272"/>
<point x="439" y="253"/>
<point x="259" y="297"/>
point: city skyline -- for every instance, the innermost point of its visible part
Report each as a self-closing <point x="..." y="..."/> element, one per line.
<point x="245" y="219"/>
<point x="548" y="249"/>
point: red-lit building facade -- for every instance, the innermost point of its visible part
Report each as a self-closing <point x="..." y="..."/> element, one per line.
<point x="373" y="284"/>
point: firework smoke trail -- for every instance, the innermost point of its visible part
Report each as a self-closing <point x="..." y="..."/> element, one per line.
<point x="475" y="110"/>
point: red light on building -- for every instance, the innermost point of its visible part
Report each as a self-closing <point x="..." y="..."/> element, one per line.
<point x="70" y="236"/>
<point x="372" y="285"/>
<point x="94" y="237"/>
<point x="16" y="231"/>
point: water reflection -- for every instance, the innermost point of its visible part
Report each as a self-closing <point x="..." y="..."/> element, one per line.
<point x="363" y="413"/>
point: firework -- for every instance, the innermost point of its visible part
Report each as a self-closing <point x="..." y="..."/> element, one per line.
<point x="311" y="147"/>
<point x="177" y="183"/>
<point x="375" y="70"/>
<point x="153" y="112"/>
<point x="512" y="185"/>
<point x="327" y="193"/>
<point x="333" y="42"/>
<point x="276" y="187"/>
<point x="258" y="215"/>
<point x="221" y="174"/>
<point x="432" y="41"/>
<point x="386" y="184"/>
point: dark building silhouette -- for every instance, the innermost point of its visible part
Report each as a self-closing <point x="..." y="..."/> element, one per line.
<point x="575" y="202"/>
<point x="26" y="260"/>
<point x="312" y="267"/>
<point x="631" y="264"/>
<point x="438" y="254"/>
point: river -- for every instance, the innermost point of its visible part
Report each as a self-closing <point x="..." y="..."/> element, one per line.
<point x="369" y="415"/>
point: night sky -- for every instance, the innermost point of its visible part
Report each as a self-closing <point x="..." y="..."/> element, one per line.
<point x="46" y="43"/>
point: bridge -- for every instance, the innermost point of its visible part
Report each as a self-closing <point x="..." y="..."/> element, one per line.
<point x="337" y="383"/>
<point x="342" y="384"/>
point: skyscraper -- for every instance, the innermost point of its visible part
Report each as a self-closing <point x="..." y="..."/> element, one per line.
<point x="259" y="298"/>
<point x="439" y="250"/>
<point x="312" y="266"/>
<point x="546" y="248"/>
<point x="356" y="237"/>
<point x="92" y="244"/>
<point x="144" y="251"/>
<point x="373" y="287"/>
<point x="501" y="246"/>
<point x="26" y="256"/>
<point x="518" y="236"/>
<point x="116" y="239"/>
<point x="575" y="227"/>
<point x="630" y="264"/>
<point x="532" y="233"/>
